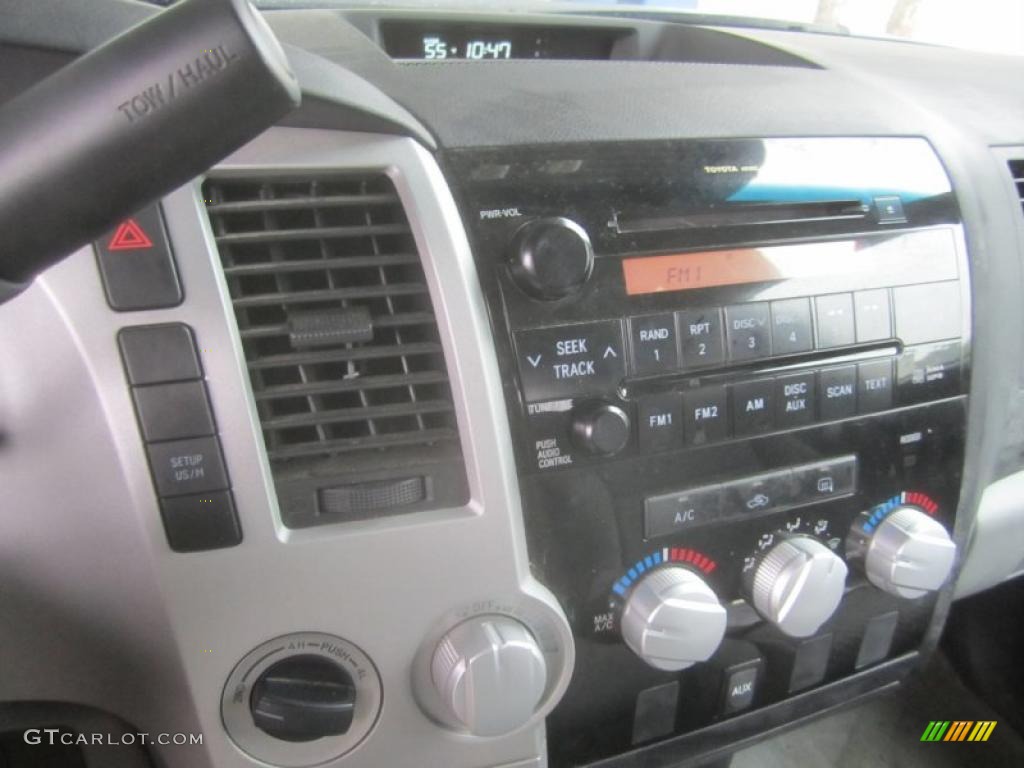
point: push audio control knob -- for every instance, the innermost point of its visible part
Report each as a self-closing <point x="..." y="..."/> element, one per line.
<point x="490" y="674"/>
<point x="909" y="553"/>
<point x="672" y="619"/>
<point x="798" y="585"/>
<point x="551" y="258"/>
<point x="600" y="428"/>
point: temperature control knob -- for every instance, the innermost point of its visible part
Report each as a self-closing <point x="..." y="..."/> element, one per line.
<point x="909" y="553"/>
<point x="672" y="619"/>
<point x="490" y="674"/>
<point x="551" y="258"/>
<point x="798" y="585"/>
<point x="600" y="428"/>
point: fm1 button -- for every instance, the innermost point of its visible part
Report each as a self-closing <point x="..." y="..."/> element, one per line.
<point x="654" y="343"/>
<point x="794" y="399"/>
<point x="660" y="421"/>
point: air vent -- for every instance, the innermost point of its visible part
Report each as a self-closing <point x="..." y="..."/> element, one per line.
<point x="1017" y="171"/>
<point x="340" y="339"/>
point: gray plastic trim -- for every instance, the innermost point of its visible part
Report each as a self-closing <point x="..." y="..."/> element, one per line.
<point x="98" y="610"/>
<point x="995" y="549"/>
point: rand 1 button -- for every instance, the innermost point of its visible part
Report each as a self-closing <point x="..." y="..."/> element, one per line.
<point x="748" y="330"/>
<point x="791" y="326"/>
<point x="700" y="334"/>
<point x="927" y="372"/>
<point x="826" y="479"/>
<point x="837" y="392"/>
<point x="187" y="466"/>
<point x="672" y="512"/>
<point x="653" y="343"/>
<point x="705" y="415"/>
<point x="795" y="397"/>
<point x="835" y="320"/>
<point x="660" y="421"/>
<point x="753" y="406"/>
<point x="570" y="360"/>
<point x="874" y="386"/>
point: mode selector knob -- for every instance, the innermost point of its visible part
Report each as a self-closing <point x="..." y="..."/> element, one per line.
<point x="908" y="555"/>
<point x="672" y="619"/>
<point x="551" y="258"/>
<point x="798" y="585"/>
<point x="600" y="428"/>
<point x="490" y="674"/>
<point x="303" y="698"/>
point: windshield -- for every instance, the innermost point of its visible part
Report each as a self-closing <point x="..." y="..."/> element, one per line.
<point x="994" y="26"/>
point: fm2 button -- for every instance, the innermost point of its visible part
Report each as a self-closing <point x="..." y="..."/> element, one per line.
<point x="570" y="361"/>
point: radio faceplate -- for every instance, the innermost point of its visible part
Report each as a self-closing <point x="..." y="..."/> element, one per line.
<point x="754" y="367"/>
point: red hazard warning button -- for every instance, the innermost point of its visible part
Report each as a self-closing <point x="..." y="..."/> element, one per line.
<point x="129" y="236"/>
<point x="137" y="265"/>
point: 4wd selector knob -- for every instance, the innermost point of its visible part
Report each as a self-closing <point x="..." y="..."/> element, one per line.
<point x="490" y="674"/>
<point x="600" y="428"/>
<point x="798" y="585"/>
<point x="673" y="619"/>
<point x="909" y="554"/>
<point x="551" y="258"/>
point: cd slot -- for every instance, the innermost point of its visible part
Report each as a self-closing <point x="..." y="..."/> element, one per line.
<point x="739" y="215"/>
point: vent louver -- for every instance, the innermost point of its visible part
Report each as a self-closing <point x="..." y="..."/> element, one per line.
<point x="1017" y="171"/>
<point x="337" y="326"/>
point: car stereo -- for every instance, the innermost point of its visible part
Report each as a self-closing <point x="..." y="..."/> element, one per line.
<point x="736" y="373"/>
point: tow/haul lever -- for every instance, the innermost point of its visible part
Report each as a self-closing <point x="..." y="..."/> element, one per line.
<point x="131" y="121"/>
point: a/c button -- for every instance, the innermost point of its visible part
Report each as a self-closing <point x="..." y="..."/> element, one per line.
<point x="673" y="512"/>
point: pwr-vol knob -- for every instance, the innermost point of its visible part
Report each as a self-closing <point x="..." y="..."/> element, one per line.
<point x="672" y="619"/>
<point x="907" y="553"/>
<point x="490" y="674"/>
<point x="798" y="585"/>
<point x="551" y="258"/>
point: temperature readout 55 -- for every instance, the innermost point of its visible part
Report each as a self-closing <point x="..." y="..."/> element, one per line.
<point x="435" y="47"/>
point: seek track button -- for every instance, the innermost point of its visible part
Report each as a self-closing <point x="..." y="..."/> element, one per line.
<point x="570" y="360"/>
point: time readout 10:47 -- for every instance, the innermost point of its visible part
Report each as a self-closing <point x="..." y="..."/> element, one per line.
<point x="438" y="48"/>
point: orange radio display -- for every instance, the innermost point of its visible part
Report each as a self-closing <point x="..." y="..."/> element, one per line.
<point x="739" y="266"/>
<point x="705" y="269"/>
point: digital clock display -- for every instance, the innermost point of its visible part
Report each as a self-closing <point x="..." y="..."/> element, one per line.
<point x="450" y="41"/>
<point x="435" y="47"/>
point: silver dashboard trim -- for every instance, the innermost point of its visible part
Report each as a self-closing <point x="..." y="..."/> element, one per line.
<point x="107" y="615"/>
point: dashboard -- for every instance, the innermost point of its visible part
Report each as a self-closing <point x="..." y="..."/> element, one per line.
<point x="556" y="389"/>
